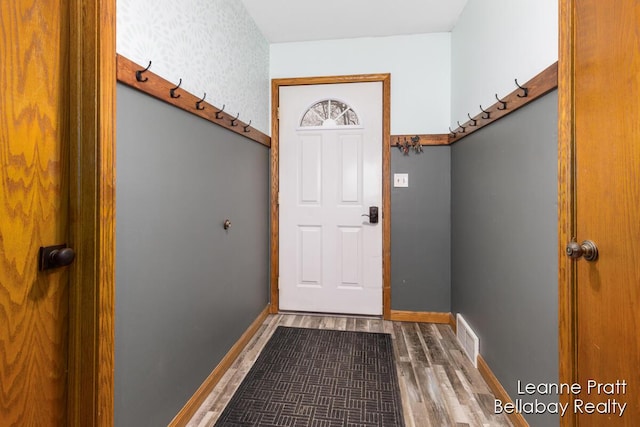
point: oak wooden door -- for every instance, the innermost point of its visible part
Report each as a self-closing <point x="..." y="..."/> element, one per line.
<point x="34" y="135"/>
<point x="606" y="164"/>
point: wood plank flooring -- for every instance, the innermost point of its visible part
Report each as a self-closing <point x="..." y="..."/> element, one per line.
<point x="438" y="384"/>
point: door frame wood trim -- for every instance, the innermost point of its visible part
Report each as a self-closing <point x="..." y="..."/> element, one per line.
<point x="566" y="205"/>
<point x="92" y="213"/>
<point x="385" y="79"/>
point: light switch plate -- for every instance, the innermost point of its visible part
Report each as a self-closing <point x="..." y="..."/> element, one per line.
<point x="400" y="179"/>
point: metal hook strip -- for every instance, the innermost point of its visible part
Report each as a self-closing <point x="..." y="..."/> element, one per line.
<point x="246" y="128"/>
<point x="453" y="134"/>
<point x="525" y="90"/>
<point x="172" y="91"/>
<point x="504" y="103"/>
<point x="233" y="121"/>
<point x="198" y="106"/>
<point x="472" y="120"/>
<point x="218" y="115"/>
<point x="488" y="113"/>
<point x="461" y="127"/>
<point x="139" y="74"/>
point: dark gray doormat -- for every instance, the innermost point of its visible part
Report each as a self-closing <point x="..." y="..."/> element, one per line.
<point x="311" y="377"/>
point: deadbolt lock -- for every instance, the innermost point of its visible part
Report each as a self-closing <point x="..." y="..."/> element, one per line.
<point x="587" y="249"/>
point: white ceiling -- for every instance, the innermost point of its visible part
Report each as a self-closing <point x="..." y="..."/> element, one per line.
<point x="303" y="20"/>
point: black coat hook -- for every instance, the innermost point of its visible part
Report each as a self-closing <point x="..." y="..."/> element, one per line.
<point x="246" y="128"/>
<point x="218" y="115"/>
<point x="405" y="147"/>
<point x="233" y="121"/>
<point x="488" y="114"/>
<point x="172" y="91"/>
<point x="504" y="103"/>
<point x="453" y="134"/>
<point x="461" y="127"/>
<point x="139" y="74"/>
<point x="472" y="120"/>
<point x="417" y="147"/>
<point x="525" y="90"/>
<point x="198" y="106"/>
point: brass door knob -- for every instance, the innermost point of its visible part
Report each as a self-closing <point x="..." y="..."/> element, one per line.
<point x="587" y="249"/>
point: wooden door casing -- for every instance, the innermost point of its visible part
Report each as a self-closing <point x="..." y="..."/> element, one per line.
<point x="599" y="195"/>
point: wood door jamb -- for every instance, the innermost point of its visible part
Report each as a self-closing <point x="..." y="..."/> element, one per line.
<point x="92" y="62"/>
<point x="566" y="206"/>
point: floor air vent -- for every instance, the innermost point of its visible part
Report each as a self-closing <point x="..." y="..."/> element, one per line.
<point x="468" y="339"/>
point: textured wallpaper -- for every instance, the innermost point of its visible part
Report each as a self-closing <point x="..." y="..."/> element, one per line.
<point x="213" y="45"/>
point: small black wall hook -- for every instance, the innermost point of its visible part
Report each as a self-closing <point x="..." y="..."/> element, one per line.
<point x="198" y="106"/>
<point x="472" y="120"/>
<point x="488" y="113"/>
<point x="461" y="127"/>
<point x="504" y="103"/>
<point x="139" y="74"/>
<point x="172" y="91"/>
<point x="246" y="127"/>
<point x="405" y="147"/>
<point x="453" y="134"/>
<point x="218" y="113"/>
<point x="525" y="90"/>
<point x="415" y="141"/>
<point x="233" y="121"/>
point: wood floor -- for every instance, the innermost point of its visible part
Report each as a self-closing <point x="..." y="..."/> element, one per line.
<point x="439" y="385"/>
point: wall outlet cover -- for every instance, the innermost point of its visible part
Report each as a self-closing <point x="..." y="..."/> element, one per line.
<point x="400" y="179"/>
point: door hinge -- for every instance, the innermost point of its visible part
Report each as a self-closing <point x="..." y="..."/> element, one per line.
<point x="278" y="113"/>
<point x="278" y="201"/>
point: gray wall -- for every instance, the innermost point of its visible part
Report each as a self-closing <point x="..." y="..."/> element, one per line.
<point x="186" y="289"/>
<point x="504" y="244"/>
<point x="420" y="231"/>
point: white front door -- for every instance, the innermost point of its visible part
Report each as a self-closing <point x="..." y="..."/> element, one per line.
<point x="330" y="175"/>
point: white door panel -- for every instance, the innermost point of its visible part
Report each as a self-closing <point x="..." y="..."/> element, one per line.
<point x="330" y="255"/>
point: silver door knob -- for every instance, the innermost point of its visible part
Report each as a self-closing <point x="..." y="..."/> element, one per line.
<point x="587" y="249"/>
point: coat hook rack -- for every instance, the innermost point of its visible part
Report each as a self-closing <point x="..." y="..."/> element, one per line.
<point x="218" y="113"/>
<point x="488" y="113"/>
<point x="233" y="121"/>
<point x="525" y="90"/>
<point x="172" y="91"/>
<point x="472" y="120"/>
<point x="504" y="103"/>
<point x="198" y="106"/>
<point x="246" y="127"/>
<point x="461" y="127"/>
<point x="139" y="74"/>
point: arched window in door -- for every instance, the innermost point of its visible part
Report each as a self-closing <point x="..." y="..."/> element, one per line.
<point x="329" y="113"/>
